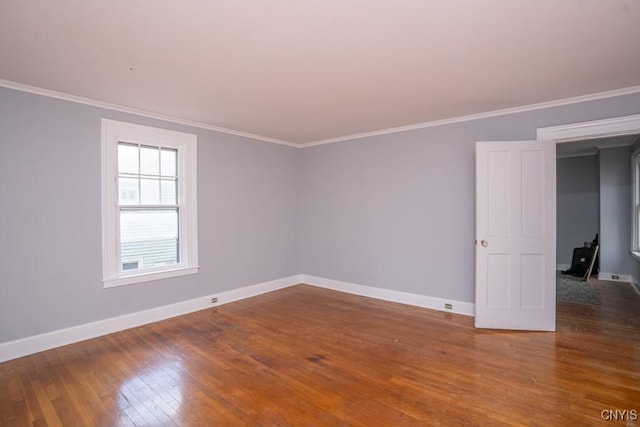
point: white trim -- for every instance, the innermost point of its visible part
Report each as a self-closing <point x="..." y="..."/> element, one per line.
<point x="624" y="278"/>
<point x="607" y="146"/>
<point x="594" y="151"/>
<point x="34" y="344"/>
<point x="636" y="286"/>
<point x="506" y="111"/>
<point x="114" y="132"/>
<point x="115" y="107"/>
<point x="605" y="128"/>
<point x="459" y="307"/>
<point x="30" y="345"/>
<point x="635" y="202"/>
<point x="561" y="267"/>
<point x="149" y="276"/>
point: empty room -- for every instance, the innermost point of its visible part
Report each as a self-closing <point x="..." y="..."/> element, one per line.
<point x="319" y="213"/>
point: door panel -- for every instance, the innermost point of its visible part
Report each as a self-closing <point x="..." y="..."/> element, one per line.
<point x="499" y="275"/>
<point x="498" y="193"/>
<point x="532" y="294"/>
<point x="532" y="193"/>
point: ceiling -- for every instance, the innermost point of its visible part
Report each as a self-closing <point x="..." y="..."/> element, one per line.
<point x="304" y="71"/>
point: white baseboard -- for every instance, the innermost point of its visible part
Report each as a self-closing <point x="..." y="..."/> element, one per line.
<point x="626" y="278"/>
<point x="636" y="286"/>
<point x="562" y="267"/>
<point x="458" y="307"/>
<point x="30" y="345"/>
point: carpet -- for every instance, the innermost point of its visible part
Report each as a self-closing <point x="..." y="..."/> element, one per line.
<point x="573" y="289"/>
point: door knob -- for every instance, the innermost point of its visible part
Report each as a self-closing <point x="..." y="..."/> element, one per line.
<point x="484" y="243"/>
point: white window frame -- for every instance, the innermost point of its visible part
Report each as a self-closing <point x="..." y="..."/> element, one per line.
<point x="635" y="203"/>
<point x="114" y="132"/>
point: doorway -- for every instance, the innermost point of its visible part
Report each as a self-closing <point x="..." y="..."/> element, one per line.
<point x="597" y="157"/>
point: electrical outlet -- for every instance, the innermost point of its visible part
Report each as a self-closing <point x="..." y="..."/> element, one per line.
<point x="214" y="300"/>
<point x="448" y="306"/>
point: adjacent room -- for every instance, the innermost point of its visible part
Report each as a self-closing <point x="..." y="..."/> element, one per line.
<point x="319" y="213"/>
<point x="595" y="186"/>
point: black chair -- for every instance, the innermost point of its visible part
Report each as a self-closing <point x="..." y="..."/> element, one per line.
<point x="581" y="260"/>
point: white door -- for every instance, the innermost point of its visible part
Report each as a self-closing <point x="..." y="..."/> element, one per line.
<point x="516" y="235"/>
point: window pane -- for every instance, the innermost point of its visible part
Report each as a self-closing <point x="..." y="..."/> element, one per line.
<point x="168" y="194"/>
<point x="150" y="191"/>
<point x="148" y="238"/>
<point x="168" y="160"/>
<point x="128" y="190"/>
<point x="149" y="160"/>
<point x="127" y="158"/>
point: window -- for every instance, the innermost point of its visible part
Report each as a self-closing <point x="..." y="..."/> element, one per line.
<point x="635" y="214"/>
<point x="148" y="203"/>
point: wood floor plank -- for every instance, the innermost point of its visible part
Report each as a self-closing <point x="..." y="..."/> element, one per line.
<point x="310" y="356"/>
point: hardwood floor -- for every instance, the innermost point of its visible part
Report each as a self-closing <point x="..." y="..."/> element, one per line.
<point x="305" y="356"/>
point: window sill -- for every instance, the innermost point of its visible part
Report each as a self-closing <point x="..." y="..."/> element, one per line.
<point x="147" y="277"/>
<point x="636" y="255"/>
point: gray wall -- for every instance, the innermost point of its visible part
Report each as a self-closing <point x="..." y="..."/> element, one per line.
<point x="50" y="221"/>
<point x="615" y="211"/>
<point x="578" y="204"/>
<point x="393" y="211"/>
<point x="396" y="211"/>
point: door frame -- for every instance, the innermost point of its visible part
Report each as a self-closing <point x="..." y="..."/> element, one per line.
<point x="596" y="129"/>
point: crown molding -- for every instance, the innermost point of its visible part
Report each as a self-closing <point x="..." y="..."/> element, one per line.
<point x="121" y="108"/>
<point x="596" y="149"/>
<point x="532" y="107"/>
<point x="615" y="145"/>
<point x="503" y="112"/>
<point x="592" y="152"/>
